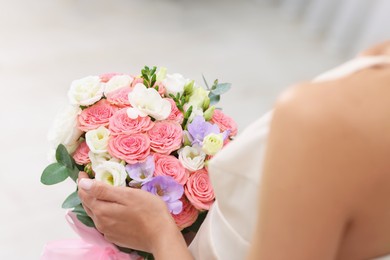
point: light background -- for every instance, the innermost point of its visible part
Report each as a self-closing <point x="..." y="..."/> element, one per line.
<point x="46" y="44"/>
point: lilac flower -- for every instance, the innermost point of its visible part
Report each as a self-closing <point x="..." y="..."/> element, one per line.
<point x="169" y="190"/>
<point x="199" y="128"/>
<point x="141" y="172"/>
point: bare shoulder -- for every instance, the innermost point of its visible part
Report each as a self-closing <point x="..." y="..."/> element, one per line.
<point x="346" y="122"/>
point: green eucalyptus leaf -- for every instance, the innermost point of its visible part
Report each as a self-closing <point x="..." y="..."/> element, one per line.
<point x="74" y="173"/>
<point x="71" y="201"/>
<point x="54" y="173"/>
<point x="63" y="157"/>
<point x="86" y="220"/>
<point x="221" y="89"/>
<point x="214" y="99"/>
<point x="79" y="210"/>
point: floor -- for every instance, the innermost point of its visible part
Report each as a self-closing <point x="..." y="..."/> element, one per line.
<point x="46" y="44"/>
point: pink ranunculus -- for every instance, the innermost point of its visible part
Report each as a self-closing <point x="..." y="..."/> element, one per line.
<point x="130" y="148"/>
<point x="121" y="123"/>
<point x="199" y="191"/>
<point x="107" y="76"/>
<point x="165" y="137"/>
<point x="119" y="97"/>
<point x="81" y="154"/>
<point x="224" y="122"/>
<point x="187" y="216"/>
<point x="176" y="115"/>
<point x="96" y="115"/>
<point x="169" y="165"/>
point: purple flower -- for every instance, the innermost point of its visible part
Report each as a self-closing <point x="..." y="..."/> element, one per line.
<point x="141" y="172"/>
<point x="169" y="191"/>
<point x="199" y="128"/>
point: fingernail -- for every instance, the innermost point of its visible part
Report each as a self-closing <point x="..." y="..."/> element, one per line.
<point x="85" y="184"/>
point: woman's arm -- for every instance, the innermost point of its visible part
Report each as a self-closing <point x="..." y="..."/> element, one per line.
<point x="133" y="218"/>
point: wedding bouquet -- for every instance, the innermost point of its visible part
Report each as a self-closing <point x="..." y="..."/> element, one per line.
<point x="154" y="132"/>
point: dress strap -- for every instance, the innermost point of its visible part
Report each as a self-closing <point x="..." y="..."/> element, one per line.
<point x="353" y="66"/>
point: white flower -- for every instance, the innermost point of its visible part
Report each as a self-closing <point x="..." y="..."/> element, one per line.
<point x="199" y="97"/>
<point x="98" y="158"/>
<point x="196" y="111"/>
<point x="148" y="102"/>
<point x="117" y="82"/>
<point x="174" y="83"/>
<point x="111" y="173"/>
<point x="212" y="143"/>
<point x="86" y="91"/>
<point x="65" y="131"/>
<point x="97" y="140"/>
<point x="192" y="158"/>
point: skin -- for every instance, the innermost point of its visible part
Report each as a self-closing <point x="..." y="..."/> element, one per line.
<point x="325" y="187"/>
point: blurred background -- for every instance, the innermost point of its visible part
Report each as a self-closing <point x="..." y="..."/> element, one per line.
<point x="260" y="46"/>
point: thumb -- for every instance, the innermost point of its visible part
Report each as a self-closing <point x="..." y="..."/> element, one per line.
<point x="100" y="190"/>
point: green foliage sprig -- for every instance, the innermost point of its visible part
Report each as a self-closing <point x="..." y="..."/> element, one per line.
<point x="149" y="76"/>
<point x="58" y="172"/>
<point x="216" y="90"/>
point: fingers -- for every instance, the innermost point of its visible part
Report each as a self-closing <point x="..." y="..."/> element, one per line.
<point x="379" y="49"/>
<point x="100" y="191"/>
<point x="82" y="175"/>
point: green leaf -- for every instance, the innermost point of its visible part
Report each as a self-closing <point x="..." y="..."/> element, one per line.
<point x="79" y="210"/>
<point x="71" y="201"/>
<point x="221" y="89"/>
<point x="214" y="99"/>
<point x="74" y="173"/>
<point x="86" y="220"/>
<point x="54" y="173"/>
<point x="63" y="156"/>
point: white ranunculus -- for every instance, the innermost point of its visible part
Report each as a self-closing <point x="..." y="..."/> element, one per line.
<point x="97" y="139"/>
<point x="174" y="83"/>
<point x="117" y="82"/>
<point x="192" y="158"/>
<point x="99" y="158"/>
<point x="112" y="173"/>
<point x="212" y="143"/>
<point x="65" y="131"/>
<point x="86" y="91"/>
<point x="148" y="102"/>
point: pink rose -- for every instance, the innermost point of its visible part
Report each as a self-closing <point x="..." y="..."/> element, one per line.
<point x="119" y="97"/>
<point x="187" y="216"/>
<point x="165" y="137"/>
<point x="199" y="191"/>
<point x="81" y="154"/>
<point x="136" y="81"/>
<point x="96" y="115"/>
<point x="121" y="123"/>
<point x="130" y="148"/>
<point x="107" y="76"/>
<point x="224" y="122"/>
<point x="169" y="165"/>
<point x="176" y="115"/>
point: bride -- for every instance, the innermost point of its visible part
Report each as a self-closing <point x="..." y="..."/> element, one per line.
<point x="320" y="189"/>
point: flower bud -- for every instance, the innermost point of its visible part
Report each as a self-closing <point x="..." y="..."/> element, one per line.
<point x="208" y="114"/>
<point x="189" y="88"/>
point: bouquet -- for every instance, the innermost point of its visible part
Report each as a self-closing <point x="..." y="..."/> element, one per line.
<point x="154" y="132"/>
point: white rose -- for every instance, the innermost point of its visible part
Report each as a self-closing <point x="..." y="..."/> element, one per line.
<point x="99" y="158"/>
<point x="192" y="158"/>
<point x="212" y="143"/>
<point x="65" y="131"/>
<point x="148" y="102"/>
<point x="174" y="83"/>
<point x="111" y="173"/>
<point x="117" y="82"/>
<point x="97" y="140"/>
<point x="86" y="91"/>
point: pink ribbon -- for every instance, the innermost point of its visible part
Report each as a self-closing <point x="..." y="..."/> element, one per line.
<point x="91" y="246"/>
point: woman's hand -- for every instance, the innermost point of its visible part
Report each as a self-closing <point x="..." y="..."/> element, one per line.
<point x="132" y="218"/>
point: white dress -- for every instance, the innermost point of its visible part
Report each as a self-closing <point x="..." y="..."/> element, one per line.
<point x="236" y="176"/>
